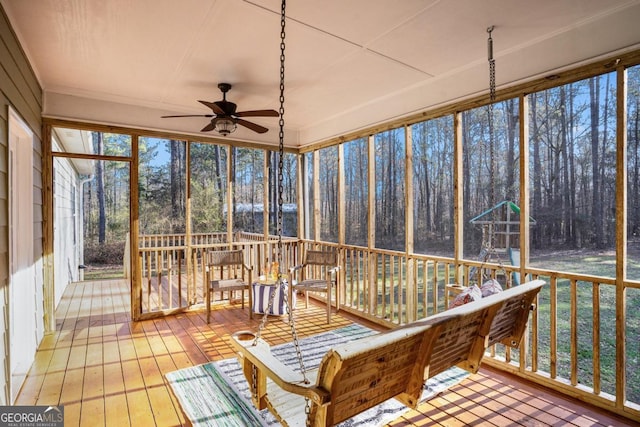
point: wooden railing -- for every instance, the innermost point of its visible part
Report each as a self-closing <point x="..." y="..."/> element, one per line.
<point x="573" y="332"/>
<point x="172" y="273"/>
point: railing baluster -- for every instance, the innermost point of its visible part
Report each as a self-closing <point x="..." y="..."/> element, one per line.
<point x="596" y="337"/>
<point x="574" y="331"/>
<point x="553" y="324"/>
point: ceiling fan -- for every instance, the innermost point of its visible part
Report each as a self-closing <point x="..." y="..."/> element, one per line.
<point x="225" y="118"/>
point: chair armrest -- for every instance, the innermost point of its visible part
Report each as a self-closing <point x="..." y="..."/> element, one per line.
<point x="295" y="268"/>
<point x="286" y="378"/>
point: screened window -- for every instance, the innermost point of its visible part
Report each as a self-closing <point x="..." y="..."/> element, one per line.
<point x="433" y="186"/>
<point x="162" y="185"/>
<point x="328" y="194"/>
<point x="248" y="191"/>
<point x="208" y="164"/>
<point x="491" y="181"/>
<point x="289" y="194"/>
<point x="390" y="189"/>
<point x="356" y="164"/>
<point x="573" y="176"/>
<point x="633" y="175"/>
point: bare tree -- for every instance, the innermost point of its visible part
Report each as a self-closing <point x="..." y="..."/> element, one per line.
<point x="102" y="217"/>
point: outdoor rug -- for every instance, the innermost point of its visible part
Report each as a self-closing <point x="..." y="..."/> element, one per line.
<point x="217" y="393"/>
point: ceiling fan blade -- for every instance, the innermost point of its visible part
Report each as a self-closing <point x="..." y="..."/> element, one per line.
<point x="253" y="126"/>
<point x="216" y="109"/>
<point x="189" y="115"/>
<point x="208" y="127"/>
<point x="258" y="113"/>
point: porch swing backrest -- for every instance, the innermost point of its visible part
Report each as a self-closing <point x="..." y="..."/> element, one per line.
<point x="358" y="375"/>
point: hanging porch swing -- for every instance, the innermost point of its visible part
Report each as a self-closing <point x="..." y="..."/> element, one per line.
<point x="358" y="375"/>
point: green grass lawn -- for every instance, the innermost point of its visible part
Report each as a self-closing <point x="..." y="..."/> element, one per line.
<point x="103" y="272"/>
<point x="596" y="263"/>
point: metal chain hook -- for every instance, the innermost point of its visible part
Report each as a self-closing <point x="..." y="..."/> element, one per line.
<point x="492" y="95"/>
<point x="492" y="156"/>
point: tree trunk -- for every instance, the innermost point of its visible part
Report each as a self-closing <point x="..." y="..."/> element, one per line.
<point x="567" y="231"/>
<point x="596" y="207"/>
<point x="177" y="185"/>
<point x="102" y="217"/>
<point x="536" y="200"/>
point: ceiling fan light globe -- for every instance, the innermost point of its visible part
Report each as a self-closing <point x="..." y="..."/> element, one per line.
<point x="225" y="126"/>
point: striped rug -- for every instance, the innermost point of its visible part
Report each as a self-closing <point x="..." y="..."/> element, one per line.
<point x="217" y="394"/>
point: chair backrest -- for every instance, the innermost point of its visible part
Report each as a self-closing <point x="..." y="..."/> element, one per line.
<point x="231" y="257"/>
<point x="328" y="258"/>
<point x="226" y="264"/>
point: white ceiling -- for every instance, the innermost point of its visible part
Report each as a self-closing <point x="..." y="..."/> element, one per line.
<point x="350" y="64"/>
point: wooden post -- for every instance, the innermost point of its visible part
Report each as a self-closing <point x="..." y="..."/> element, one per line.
<point x="410" y="283"/>
<point x="134" y="227"/>
<point x="230" y="189"/>
<point x="371" y="225"/>
<point x="524" y="218"/>
<point x="49" y="276"/>
<point x="458" y="212"/>
<point x="621" y="235"/>
<point x="342" y="272"/>
<point x="316" y="196"/>
<point x="265" y="191"/>
<point x="192" y="281"/>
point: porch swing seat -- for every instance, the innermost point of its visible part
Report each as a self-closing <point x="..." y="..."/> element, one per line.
<point x="358" y="375"/>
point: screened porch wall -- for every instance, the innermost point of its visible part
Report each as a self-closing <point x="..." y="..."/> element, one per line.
<point x="398" y="281"/>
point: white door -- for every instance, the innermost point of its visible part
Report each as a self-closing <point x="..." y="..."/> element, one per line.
<point x="23" y="293"/>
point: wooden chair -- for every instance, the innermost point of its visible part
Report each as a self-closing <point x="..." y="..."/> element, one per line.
<point x="226" y="271"/>
<point x="320" y="276"/>
<point x="358" y="375"/>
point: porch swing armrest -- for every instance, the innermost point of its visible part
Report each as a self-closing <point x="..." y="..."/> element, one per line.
<point x="287" y="379"/>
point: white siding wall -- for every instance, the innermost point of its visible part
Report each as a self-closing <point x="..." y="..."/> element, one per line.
<point x="19" y="89"/>
<point x="66" y="238"/>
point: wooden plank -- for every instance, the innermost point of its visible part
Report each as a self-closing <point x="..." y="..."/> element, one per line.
<point x="115" y="400"/>
<point x="137" y="400"/>
<point x="159" y="398"/>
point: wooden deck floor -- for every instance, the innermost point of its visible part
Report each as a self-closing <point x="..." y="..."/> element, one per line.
<point x="107" y="370"/>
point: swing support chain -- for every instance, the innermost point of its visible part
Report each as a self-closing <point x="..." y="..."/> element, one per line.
<point x="491" y="244"/>
<point x="280" y="284"/>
